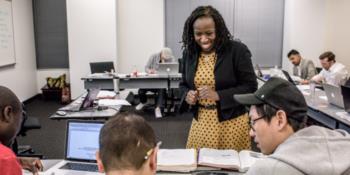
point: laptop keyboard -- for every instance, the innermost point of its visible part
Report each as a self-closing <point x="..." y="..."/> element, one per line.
<point x="80" y="167"/>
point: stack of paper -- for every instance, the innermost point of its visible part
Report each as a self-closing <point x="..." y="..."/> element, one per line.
<point x="106" y="94"/>
<point x="113" y="102"/>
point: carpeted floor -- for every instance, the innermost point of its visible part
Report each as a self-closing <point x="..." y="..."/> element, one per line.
<point x="49" y="141"/>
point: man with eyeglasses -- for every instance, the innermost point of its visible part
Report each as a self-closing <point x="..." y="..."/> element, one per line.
<point x="278" y="113"/>
<point x="127" y="146"/>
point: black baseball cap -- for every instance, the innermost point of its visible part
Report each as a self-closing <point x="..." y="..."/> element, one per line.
<point x="280" y="94"/>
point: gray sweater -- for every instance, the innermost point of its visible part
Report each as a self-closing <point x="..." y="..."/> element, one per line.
<point x="313" y="150"/>
<point x="153" y="61"/>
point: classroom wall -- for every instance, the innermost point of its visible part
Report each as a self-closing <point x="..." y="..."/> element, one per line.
<point x="304" y="29"/>
<point x="21" y="78"/>
<point x="311" y="26"/>
<point x="91" y="37"/>
<point x="140" y="32"/>
<point x="338" y="27"/>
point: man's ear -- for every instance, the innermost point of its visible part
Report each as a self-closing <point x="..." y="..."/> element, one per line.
<point x="282" y="120"/>
<point x="153" y="160"/>
<point x="99" y="162"/>
<point x="6" y="115"/>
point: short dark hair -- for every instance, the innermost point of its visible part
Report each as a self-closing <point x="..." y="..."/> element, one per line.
<point x="268" y="111"/>
<point x="8" y="98"/>
<point x="124" y="141"/>
<point x="221" y="31"/>
<point x="330" y="55"/>
<point x="292" y="52"/>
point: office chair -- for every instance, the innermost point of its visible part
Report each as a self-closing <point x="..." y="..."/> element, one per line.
<point x="180" y="64"/>
<point x="102" y="67"/>
<point x="347" y="83"/>
<point x="175" y="94"/>
<point x="28" y="123"/>
<point x="318" y="69"/>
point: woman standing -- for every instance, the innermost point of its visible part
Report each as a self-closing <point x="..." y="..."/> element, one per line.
<point x="215" y="67"/>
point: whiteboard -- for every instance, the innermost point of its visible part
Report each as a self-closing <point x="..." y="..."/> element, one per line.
<point x="7" y="48"/>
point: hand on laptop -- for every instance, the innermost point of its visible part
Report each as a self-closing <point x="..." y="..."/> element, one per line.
<point x="31" y="164"/>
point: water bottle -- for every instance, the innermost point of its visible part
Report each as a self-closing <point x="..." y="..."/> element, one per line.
<point x="312" y="93"/>
<point x="134" y="72"/>
<point x="274" y="71"/>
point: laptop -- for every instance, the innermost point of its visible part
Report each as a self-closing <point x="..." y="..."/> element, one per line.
<point x="286" y="74"/>
<point x="82" y="142"/>
<point x="82" y="103"/>
<point x="345" y="90"/>
<point x="334" y="95"/>
<point x="102" y="67"/>
<point x="168" y="68"/>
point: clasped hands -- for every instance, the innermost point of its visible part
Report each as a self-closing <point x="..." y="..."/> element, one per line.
<point x="203" y="92"/>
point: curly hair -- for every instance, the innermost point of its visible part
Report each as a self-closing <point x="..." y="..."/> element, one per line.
<point x="221" y="31"/>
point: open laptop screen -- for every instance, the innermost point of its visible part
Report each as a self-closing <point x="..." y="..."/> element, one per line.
<point x="286" y="74"/>
<point x="89" y="99"/>
<point x="101" y="67"/>
<point x="82" y="140"/>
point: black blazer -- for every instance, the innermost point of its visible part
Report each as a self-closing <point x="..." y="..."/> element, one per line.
<point x="234" y="74"/>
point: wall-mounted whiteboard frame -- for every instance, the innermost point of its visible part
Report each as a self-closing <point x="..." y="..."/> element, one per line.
<point x="7" y="42"/>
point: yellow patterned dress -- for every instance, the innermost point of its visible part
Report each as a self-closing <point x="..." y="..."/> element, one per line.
<point x="208" y="132"/>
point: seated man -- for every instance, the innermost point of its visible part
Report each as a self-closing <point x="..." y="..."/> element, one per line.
<point x="277" y="116"/>
<point x="333" y="72"/>
<point x="303" y="68"/>
<point x="165" y="55"/>
<point x="127" y="146"/>
<point x="10" y="123"/>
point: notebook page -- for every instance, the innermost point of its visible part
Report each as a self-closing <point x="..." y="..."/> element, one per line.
<point x="219" y="158"/>
<point x="175" y="157"/>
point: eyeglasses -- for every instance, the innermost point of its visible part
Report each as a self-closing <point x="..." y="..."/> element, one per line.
<point x="149" y="152"/>
<point x="252" y="122"/>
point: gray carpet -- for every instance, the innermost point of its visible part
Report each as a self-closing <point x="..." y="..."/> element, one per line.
<point x="49" y="141"/>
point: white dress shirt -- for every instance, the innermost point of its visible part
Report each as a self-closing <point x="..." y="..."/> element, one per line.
<point x="335" y="75"/>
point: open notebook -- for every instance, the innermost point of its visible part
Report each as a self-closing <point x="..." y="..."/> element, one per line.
<point x="178" y="160"/>
<point x="228" y="159"/>
<point x="186" y="160"/>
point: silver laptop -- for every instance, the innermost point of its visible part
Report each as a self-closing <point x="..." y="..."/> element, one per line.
<point x="81" y="146"/>
<point x="168" y="68"/>
<point x="334" y="95"/>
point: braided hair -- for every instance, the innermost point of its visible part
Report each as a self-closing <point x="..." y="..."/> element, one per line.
<point x="221" y="31"/>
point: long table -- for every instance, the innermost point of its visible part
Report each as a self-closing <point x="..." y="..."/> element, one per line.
<point x="93" y="113"/>
<point x="124" y="81"/>
<point x="325" y="113"/>
<point x="149" y="81"/>
<point x="48" y="163"/>
<point x="321" y="111"/>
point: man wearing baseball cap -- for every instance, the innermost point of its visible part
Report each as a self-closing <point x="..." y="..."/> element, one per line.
<point x="278" y="113"/>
